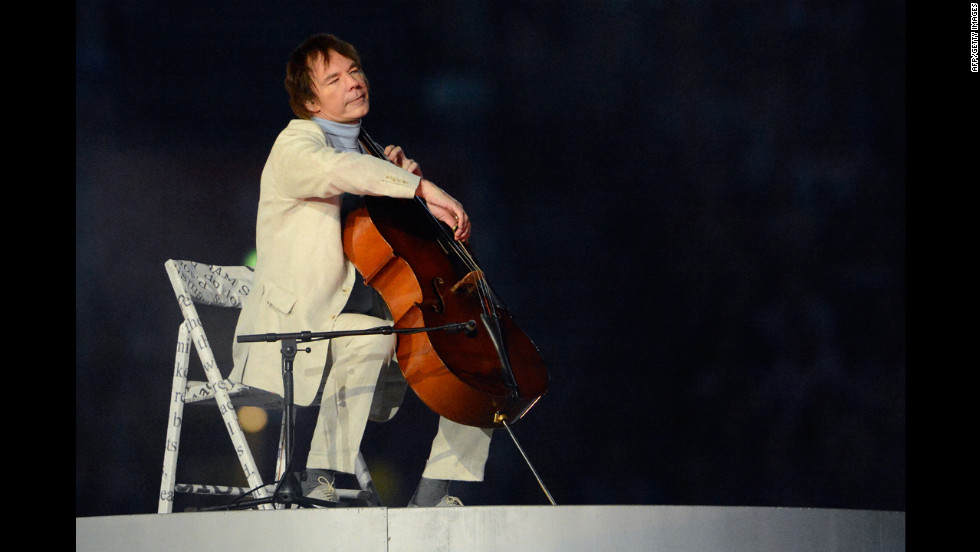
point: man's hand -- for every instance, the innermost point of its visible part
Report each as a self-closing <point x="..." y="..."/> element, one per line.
<point x="396" y="155"/>
<point x="445" y="208"/>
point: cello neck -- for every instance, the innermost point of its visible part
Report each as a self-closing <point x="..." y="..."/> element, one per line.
<point x="372" y="147"/>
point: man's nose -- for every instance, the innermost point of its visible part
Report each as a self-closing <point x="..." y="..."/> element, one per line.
<point x="352" y="82"/>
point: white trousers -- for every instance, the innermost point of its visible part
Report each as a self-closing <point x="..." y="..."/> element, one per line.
<point x="458" y="452"/>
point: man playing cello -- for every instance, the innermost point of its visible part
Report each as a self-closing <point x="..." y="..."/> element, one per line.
<point x="304" y="281"/>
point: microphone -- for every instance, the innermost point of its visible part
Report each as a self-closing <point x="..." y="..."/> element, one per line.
<point x="468" y="327"/>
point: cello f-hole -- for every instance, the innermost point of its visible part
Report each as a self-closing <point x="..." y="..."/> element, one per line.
<point x="438" y="304"/>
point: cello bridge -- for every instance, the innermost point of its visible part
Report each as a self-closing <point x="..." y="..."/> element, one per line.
<point x="468" y="283"/>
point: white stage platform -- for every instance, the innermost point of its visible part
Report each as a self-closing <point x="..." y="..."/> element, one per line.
<point x="501" y="528"/>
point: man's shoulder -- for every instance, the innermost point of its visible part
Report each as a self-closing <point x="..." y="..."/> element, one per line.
<point x="304" y="126"/>
<point x="300" y="130"/>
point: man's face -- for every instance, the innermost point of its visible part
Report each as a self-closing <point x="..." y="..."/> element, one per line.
<point x="340" y="88"/>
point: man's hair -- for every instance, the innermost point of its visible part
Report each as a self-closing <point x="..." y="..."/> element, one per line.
<point x="299" y="79"/>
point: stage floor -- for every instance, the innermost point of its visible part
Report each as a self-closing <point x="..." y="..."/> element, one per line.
<point x="497" y="528"/>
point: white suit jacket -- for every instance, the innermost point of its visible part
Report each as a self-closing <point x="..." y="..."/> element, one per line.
<point x="302" y="277"/>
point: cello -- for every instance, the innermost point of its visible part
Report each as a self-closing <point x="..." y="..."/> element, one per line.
<point x="489" y="376"/>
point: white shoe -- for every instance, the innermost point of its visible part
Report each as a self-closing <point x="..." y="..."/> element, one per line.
<point x="449" y="501"/>
<point x="324" y="491"/>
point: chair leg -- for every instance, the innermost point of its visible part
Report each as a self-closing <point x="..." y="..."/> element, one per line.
<point x="281" y="459"/>
<point x="366" y="482"/>
<point x="227" y="409"/>
<point x="167" y="480"/>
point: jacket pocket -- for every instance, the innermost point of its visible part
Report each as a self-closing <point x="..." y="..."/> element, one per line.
<point x="278" y="298"/>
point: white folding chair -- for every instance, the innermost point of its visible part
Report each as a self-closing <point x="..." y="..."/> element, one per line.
<point x="222" y="286"/>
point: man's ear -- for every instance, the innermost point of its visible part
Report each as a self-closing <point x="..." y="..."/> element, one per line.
<point x="312" y="106"/>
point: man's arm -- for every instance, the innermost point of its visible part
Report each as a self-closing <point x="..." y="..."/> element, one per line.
<point x="441" y="204"/>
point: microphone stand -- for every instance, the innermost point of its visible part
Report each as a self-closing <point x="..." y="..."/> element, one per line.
<point x="288" y="490"/>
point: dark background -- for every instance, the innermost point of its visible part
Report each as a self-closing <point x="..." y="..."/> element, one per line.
<point x="695" y="209"/>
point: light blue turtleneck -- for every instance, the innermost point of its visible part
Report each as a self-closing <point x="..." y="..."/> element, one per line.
<point x="341" y="136"/>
